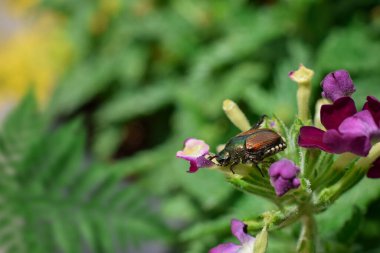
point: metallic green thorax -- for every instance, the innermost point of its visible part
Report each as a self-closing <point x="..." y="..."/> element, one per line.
<point x="236" y="146"/>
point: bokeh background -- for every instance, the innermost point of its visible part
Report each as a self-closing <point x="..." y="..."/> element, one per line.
<point x="96" y="96"/>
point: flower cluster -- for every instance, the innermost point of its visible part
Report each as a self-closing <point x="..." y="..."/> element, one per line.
<point x="317" y="162"/>
<point x="347" y="130"/>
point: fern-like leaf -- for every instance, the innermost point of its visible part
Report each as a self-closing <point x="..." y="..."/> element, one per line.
<point x="56" y="200"/>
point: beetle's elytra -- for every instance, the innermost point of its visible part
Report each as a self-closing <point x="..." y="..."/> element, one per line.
<point x="251" y="146"/>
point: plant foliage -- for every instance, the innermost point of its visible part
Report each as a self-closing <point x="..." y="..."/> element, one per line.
<point x="143" y="76"/>
<point x="54" y="197"/>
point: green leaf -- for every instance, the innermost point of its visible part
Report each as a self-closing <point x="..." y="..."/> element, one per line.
<point x="351" y="228"/>
<point x="334" y="218"/>
<point x="19" y="132"/>
<point x="346" y="49"/>
<point x="127" y="105"/>
<point x="106" y="141"/>
<point x="57" y="189"/>
<point x="81" y="86"/>
<point x="218" y="225"/>
<point x="179" y="208"/>
<point x="208" y="187"/>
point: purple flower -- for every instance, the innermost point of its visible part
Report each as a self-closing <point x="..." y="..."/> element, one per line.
<point x="373" y="105"/>
<point x="194" y="152"/>
<point x="346" y="129"/>
<point x="239" y="230"/>
<point x="283" y="176"/>
<point x="337" y="84"/>
<point x="374" y="171"/>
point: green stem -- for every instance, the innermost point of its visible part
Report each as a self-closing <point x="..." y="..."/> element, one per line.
<point x="277" y="220"/>
<point x="334" y="171"/>
<point x="329" y="195"/>
<point x="254" y="189"/>
<point x="303" y="96"/>
<point x="312" y="157"/>
<point x="307" y="240"/>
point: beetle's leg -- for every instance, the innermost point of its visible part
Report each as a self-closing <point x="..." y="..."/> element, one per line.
<point x="255" y="162"/>
<point x="253" y="159"/>
<point x="261" y="120"/>
<point x="232" y="167"/>
<point x="258" y="167"/>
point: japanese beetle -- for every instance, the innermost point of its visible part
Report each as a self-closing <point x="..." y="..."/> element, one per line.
<point x="251" y="146"/>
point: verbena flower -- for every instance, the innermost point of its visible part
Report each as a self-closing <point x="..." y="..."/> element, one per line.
<point x="337" y="84"/>
<point x="346" y="129"/>
<point x="239" y="230"/>
<point x="283" y="176"/>
<point x="195" y="151"/>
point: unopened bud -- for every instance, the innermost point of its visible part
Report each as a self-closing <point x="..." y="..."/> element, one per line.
<point x="236" y="116"/>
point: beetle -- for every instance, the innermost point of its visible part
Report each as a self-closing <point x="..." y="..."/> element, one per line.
<point x="251" y="146"/>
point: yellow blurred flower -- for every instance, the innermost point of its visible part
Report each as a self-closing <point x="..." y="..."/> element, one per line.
<point x="20" y="7"/>
<point x="33" y="54"/>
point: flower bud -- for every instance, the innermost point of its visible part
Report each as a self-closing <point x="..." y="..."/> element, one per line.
<point x="236" y="116"/>
<point x="337" y="84"/>
<point x="283" y="176"/>
<point x="261" y="243"/>
<point x="303" y="78"/>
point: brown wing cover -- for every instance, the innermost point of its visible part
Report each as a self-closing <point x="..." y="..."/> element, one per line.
<point x="262" y="138"/>
<point x="250" y="131"/>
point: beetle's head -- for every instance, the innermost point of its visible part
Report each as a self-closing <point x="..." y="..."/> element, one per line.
<point x="223" y="157"/>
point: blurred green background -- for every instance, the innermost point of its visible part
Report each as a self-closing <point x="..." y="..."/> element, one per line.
<point x="87" y="155"/>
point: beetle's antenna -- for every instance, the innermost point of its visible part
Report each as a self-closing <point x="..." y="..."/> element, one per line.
<point x="210" y="156"/>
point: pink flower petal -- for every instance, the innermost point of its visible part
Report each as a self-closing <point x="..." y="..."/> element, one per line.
<point x="239" y="229"/>
<point x="194" y="151"/>
<point x="340" y="143"/>
<point x="312" y="137"/>
<point x="333" y="115"/>
<point x="360" y="123"/>
<point x="337" y="84"/>
<point x="354" y="134"/>
<point x="226" y="248"/>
